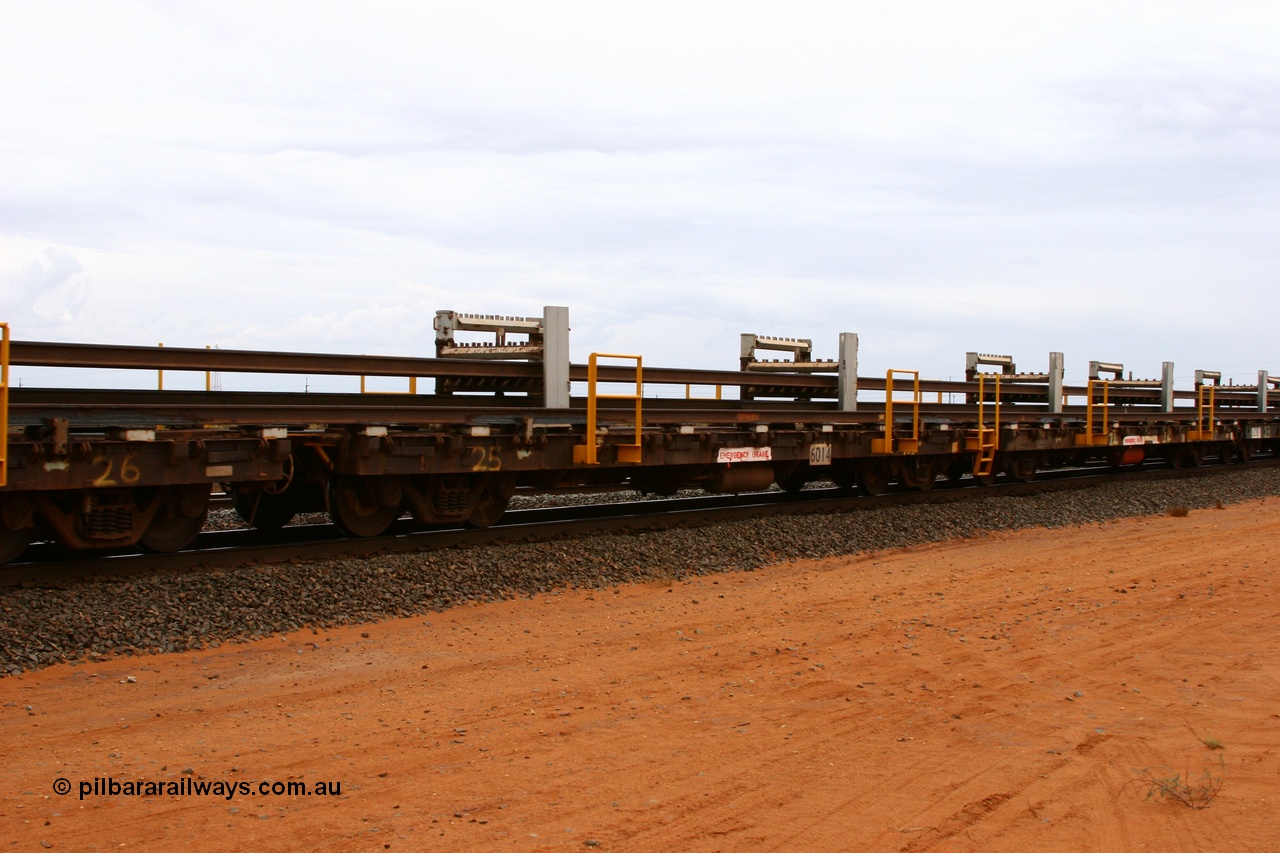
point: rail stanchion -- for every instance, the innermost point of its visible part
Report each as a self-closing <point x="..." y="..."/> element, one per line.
<point x="1205" y="414"/>
<point x="588" y="453"/>
<point x="1090" y="437"/>
<point x="984" y="463"/>
<point x="890" y="444"/>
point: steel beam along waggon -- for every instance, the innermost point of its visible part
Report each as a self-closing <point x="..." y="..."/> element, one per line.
<point x="460" y="432"/>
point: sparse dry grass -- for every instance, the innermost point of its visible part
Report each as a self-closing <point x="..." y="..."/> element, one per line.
<point x="1195" y="793"/>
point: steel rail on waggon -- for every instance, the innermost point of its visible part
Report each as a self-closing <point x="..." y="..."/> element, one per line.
<point x="104" y="469"/>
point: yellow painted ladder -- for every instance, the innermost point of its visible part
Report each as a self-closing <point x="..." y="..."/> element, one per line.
<point x="889" y="443"/>
<point x="984" y="464"/>
<point x="586" y="454"/>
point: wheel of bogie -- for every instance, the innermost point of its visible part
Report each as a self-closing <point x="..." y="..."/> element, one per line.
<point x="1193" y="457"/>
<point x="1176" y="459"/>
<point x="363" y="506"/>
<point x="488" y="509"/>
<point x="176" y="524"/>
<point x="1022" y="468"/>
<point x="985" y="479"/>
<point x="918" y="473"/>
<point x="263" y="510"/>
<point x="873" y="480"/>
<point x="17" y="517"/>
<point x="1226" y="453"/>
<point x="794" y="484"/>
<point x="13" y="542"/>
<point x="495" y="494"/>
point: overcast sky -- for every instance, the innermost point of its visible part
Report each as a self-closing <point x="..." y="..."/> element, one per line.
<point x="1097" y="178"/>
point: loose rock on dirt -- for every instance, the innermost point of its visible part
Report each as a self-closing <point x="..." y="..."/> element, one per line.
<point x="1009" y="691"/>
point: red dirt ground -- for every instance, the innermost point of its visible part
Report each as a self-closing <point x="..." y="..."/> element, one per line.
<point x="994" y="694"/>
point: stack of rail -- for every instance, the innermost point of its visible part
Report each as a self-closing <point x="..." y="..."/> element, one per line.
<point x="101" y="468"/>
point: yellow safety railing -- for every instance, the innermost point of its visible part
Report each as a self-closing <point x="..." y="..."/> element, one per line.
<point x="1090" y="437"/>
<point x="984" y="463"/>
<point x="688" y="392"/>
<point x="4" y="404"/>
<point x="1204" y="414"/>
<point x="588" y="453"/>
<point x="889" y="444"/>
<point x="413" y="387"/>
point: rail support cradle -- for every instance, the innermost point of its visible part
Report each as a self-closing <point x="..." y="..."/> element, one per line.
<point x="501" y="408"/>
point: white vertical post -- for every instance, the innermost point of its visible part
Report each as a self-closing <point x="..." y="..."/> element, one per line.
<point x="1055" y="382"/>
<point x="1166" y="386"/>
<point x="1264" y="379"/>
<point x="555" y="356"/>
<point x="848" y="377"/>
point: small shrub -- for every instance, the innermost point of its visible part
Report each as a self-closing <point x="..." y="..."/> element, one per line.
<point x="1180" y="787"/>
<point x="1179" y="511"/>
<point x="1211" y="742"/>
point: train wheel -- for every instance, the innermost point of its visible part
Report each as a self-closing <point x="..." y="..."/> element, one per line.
<point x="487" y="510"/>
<point x="263" y="510"/>
<point x="919" y="473"/>
<point x="16" y="530"/>
<point x="795" y="483"/>
<point x="1023" y="468"/>
<point x="176" y="524"/>
<point x="495" y="494"/>
<point x="873" y="480"/>
<point x="13" y="543"/>
<point x="272" y="506"/>
<point x="363" y="506"/>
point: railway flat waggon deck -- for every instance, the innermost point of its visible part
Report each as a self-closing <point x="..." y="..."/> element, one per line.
<point x="109" y="468"/>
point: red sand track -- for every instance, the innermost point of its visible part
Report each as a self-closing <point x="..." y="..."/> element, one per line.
<point x="996" y="694"/>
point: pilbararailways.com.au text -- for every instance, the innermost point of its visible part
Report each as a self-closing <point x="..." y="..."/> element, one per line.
<point x="189" y="787"/>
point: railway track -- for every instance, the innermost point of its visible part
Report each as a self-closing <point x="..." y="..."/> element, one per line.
<point x="46" y="563"/>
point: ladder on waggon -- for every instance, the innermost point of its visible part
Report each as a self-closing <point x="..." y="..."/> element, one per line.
<point x="984" y="464"/>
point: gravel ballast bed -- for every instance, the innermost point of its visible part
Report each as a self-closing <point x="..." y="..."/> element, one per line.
<point x="100" y="617"/>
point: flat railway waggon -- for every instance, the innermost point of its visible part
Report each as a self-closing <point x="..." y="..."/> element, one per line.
<point x="109" y="469"/>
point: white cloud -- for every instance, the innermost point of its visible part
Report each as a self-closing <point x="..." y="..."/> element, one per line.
<point x="935" y="176"/>
<point x="49" y="291"/>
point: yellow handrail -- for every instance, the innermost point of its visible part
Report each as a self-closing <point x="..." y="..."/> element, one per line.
<point x="988" y="439"/>
<point x="1099" y="437"/>
<point x="413" y="387"/>
<point x="587" y="453"/>
<point x="688" y="392"/>
<point x="4" y="404"/>
<point x="1204" y="418"/>
<point x="906" y="445"/>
